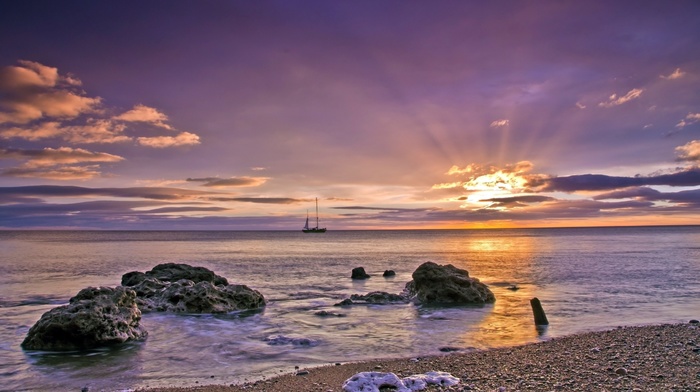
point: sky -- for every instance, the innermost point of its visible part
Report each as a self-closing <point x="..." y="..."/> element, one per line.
<point x="237" y="115"/>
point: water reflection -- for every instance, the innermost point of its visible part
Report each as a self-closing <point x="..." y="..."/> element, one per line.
<point x="501" y="262"/>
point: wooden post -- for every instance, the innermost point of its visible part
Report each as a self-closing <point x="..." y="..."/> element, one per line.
<point x="538" y="312"/>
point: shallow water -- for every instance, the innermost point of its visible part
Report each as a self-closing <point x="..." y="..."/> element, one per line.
<point x="587" y="279"/>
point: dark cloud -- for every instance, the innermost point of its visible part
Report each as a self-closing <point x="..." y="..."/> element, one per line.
<point x="649" y="194"/>
<point x="263" y="200"/>
<point x="601" y="182"/>
<point x="229" y="182"/>
<point x="379" y="208"/>
<point x="517" y="201"/>
<point x="76" y="191"/>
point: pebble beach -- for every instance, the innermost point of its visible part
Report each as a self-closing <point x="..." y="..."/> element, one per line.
<point x="640" y="358"/>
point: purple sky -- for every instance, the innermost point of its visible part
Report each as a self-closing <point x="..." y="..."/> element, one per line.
<point x="395" y="114"/>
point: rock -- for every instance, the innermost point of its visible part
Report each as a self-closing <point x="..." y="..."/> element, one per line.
<point x="95" y="317"/>
<point x="359" y="273"/>
<point x="446" y="284"/>
<point x="186" y="289"/>
<point x="621" y="371"/>
<point x="345" y="302"/>
<point x="172" y="272"/>
<point x="279" y="340"/>
<point x="389" y="273"/>
<point x="302" y="372"/>
<point x="186" y="296"/>
<point x="378" y="297"/>
<point x="376" y="381"/>
<point x="693" y="321"/>
<point x="325" y="313"/>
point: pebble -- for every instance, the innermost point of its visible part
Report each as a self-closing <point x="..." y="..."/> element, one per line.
<point x="302" y="372"/>
<point x="621" y="371"/>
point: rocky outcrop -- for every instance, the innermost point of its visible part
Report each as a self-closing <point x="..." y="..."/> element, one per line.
<point x="359" y="273"/>
<point x="172" y="272"/>
<point x="95" y="317"/>
<point x="389" y="273"/>
<point x="446" y="284"/>
<point x="185" y="289"/>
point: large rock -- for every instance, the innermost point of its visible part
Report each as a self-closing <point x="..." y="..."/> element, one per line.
<point x="172" y="272"/>
<point x="446" y="284"/>
<point x="95" y="317"/>
<point x="186" y="289"/>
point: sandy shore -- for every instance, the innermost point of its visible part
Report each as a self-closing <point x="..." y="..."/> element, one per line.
<point x="649" y="358"/>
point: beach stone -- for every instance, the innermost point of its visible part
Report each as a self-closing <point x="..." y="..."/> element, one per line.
<point x="389" y="273"/>
<point x="95" y="317"/>
<point x="359" y="273"/>
<point x="446" y="284"/>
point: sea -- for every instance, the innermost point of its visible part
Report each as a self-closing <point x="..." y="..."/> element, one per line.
<point x="587" y="279"/>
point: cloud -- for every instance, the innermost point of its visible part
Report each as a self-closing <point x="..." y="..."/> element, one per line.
<point x="687" y="197"/>
<point x="689" y="152"/>
<point x="263" y="200"/>
<point x="142" y="113"/>
<point x="614" y="100"/>
<point x="691" y="118"/>
<point x="580" y="105"/>
<point x="230" y="182"/>
<point x="183" y="139"/>
<point x="45" y="130"/>
<point x="677" y="74"/>
<point x="499" y="123"/>
<point x="600" y="182"/>
<point x="154" y="193"/>
<point x="517" y="201"/>
<point x="56" y="164"/>
<point x="32" y="91"/>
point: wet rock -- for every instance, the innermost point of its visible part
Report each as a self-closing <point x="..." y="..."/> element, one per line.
<point x="446" y="284"/>
<point x="378" y="297"/>
<point x="389" y="273"/>
<point x="325" y="313"/>
<point x="186" y="296"/>
<point x="693" y="321"/>
<point x="172" y="272"/>
<point x="183" y="288"/>
<point x="345" y="302"/>
<point x="359" y="273"/>
<point x="95" y="317"/>
<point x="279" y="340"/>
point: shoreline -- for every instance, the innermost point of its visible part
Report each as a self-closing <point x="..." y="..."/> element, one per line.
<point x="655" y="357"/>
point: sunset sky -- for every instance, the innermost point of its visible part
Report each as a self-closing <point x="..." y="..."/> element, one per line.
<point x="235" y="115"/>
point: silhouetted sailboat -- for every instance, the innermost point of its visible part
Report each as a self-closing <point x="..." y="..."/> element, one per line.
<point x="316" y="229"/>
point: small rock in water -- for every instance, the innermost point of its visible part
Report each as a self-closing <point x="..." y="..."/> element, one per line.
<point x="389" y="273"/>
<point x="693" y="321"/>
<point x="359" y="273"/>
<point x="85" y="389"/>
<point x="448" y="349"/>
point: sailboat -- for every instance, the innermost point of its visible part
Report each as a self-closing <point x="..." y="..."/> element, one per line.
<point x="316" y="229"/>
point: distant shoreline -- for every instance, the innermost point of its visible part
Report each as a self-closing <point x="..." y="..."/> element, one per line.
<point x="30" y="229"/>
<point x="656" y="357"/>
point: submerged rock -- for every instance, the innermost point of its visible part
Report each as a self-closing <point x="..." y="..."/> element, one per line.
<point x="186" y="289"/>
<point x="359" y="273"/>
<point x="374" y="298"/>
<point x="389" y="273"/>
<point x="95" y="317"/>
<point x="446" y="284"/>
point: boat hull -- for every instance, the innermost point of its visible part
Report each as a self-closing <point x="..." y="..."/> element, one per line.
<point x="323" y="230"/>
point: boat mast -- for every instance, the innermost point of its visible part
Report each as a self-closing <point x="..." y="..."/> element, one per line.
<point x="317" y="212"/>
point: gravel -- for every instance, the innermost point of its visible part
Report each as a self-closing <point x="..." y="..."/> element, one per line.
<point x="647" y="358"/>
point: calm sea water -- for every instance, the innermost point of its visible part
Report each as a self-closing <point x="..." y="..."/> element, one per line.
<point x="587" y="279"/>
